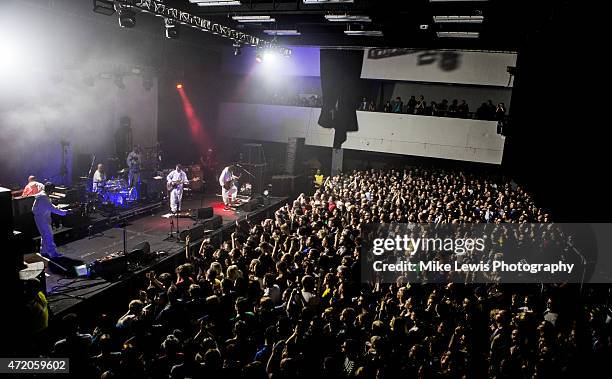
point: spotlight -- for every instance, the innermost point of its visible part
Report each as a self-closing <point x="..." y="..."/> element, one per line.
<point x="119" y="81"/>
<point x="237" y="49"/>
<point x="269" y="56"/>
<point x="179" y="86"/>
<point x="172" y="29"/>
<point x="127" y="17"/>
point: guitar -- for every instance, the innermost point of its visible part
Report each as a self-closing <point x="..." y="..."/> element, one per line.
<point x="230" y="183"/>
<point x="173" y="184"/>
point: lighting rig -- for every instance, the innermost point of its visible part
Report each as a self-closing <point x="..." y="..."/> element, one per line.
<point x="174" y="17"/>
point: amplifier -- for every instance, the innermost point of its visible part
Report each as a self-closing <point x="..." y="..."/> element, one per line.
<point x="195" y="171"/>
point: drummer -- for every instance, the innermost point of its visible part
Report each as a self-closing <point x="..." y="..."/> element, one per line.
<point x="99" y="179"/>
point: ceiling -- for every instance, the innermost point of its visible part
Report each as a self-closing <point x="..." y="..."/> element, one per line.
<point x="505" y="24"/>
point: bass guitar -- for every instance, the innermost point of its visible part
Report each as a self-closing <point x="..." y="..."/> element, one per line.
<point x="173" y="184"/>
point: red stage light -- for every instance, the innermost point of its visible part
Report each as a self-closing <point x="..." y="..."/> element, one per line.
<point x="179" y="86"/>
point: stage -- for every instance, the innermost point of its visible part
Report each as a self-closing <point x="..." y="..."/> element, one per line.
<point x="67" y="293"/>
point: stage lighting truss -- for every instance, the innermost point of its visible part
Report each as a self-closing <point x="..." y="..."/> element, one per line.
<point x="172" y="28"/>
<point x="127" y="16"/>
<point x="185" y="18"/>
<point x="237" y="49"/>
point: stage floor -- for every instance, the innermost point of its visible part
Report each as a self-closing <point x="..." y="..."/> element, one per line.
<point x="65" y="292"/>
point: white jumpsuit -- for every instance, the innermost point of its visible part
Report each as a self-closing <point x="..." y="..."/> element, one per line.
<point x="225" y="177"/>
<point x="42" y="210"/>
<point x="176" y="195"/>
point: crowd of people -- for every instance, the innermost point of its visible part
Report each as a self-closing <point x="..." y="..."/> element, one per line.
<point x="456" y="108"/>
<point x="283" y="298"/>
<point x="296" y="100"/>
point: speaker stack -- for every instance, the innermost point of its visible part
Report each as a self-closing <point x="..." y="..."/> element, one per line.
<point x="254" y="160"/>
<point x="11" y="257"/>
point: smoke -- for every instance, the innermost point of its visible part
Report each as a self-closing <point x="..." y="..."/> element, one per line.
<point x="55" y="86"/>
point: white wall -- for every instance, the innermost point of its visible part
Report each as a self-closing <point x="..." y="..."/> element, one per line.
<point x="442" y="66"/>
<point x="436" y="137"/>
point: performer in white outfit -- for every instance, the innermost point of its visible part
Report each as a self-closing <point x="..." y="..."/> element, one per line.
<point x="33" y="187"/>
<point x="42" y="210"/>
<point x="99" y="178"/>
<point x="134" y="159"/>
<point x="176" y="179"/>
<point x="228" y="187"/>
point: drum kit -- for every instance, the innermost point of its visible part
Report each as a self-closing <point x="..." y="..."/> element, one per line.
<point x="116" y="192"/>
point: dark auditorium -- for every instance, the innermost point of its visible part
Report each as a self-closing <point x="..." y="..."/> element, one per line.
<point x="293" y="189"/>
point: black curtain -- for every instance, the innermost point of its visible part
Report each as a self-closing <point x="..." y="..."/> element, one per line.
<point x="342" y="90"/>
<point x="553" y="142"/>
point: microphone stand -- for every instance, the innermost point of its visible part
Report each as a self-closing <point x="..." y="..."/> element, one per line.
<point x="245" y="170"/>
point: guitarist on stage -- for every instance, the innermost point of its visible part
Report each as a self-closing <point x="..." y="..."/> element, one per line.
<point x="228" y="186"/>
<point x="175" y="181"/>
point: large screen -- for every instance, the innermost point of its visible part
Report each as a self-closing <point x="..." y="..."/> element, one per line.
<point x="441" y="66"/>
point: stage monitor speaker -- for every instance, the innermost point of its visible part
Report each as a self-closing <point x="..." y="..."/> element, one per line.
<point x="110" y="266"/>
<point x="145" y="246"/>
<point x="195" y="233"/>
<point x="204" y="213"/>
<point x="139" y="251"/>
<point x="213" y="223"/>
<point x="6" y="214"/>
<point x="252" y="204"/>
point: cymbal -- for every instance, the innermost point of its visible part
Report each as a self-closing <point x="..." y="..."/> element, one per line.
<point x="157" y="177"/>
<point x="124" y="171"/>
